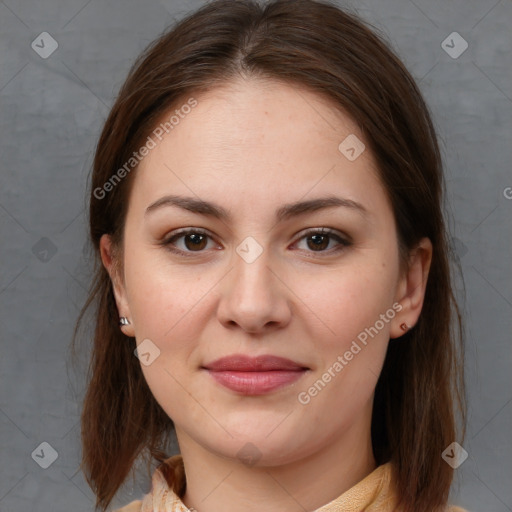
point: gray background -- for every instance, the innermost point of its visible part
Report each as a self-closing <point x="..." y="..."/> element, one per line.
<point x="51" y="113"/>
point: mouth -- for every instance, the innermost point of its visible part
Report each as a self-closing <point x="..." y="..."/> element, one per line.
<point x="254" y="375"/>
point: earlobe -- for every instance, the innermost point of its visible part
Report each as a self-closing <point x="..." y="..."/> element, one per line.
<point x="411" y="288"/>
<point x="111" y="264"/>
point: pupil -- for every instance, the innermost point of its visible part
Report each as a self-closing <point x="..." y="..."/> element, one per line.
<point x="196" y="240"/>
<point x="318" y="242"/>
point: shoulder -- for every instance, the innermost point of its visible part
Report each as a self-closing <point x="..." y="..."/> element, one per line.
<point x="453" y="508"/>
<point x="135" y="506"/>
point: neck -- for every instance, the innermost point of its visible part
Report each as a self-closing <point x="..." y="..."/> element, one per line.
<point x="220" y="484"/>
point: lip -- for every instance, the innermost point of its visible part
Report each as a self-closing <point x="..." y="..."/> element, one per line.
<point x="243" y="363"/>
<point x="254" y="375"/>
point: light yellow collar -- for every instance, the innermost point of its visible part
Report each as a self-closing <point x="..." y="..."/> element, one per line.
<point x="374" y="493"/>
<point x="370" y="494"/>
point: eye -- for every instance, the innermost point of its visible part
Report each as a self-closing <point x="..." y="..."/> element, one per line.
<point x="188" y="241"/>
<point x="318" y="240"/>
<point x="193" y="240"/>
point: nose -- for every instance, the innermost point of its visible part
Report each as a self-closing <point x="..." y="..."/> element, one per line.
<point x="254" y="297"/>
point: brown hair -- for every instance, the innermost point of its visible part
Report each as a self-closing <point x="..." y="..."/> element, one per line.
<point x="420" y="394"/>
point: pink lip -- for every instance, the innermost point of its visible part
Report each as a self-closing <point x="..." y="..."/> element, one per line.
<point x="243" y="363"/>
<point x="254" y="375"/>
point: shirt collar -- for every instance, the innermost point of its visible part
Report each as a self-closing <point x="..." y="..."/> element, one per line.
<point x="372" y="493"/>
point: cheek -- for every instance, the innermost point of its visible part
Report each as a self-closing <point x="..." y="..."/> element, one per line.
<point x="168" y="306"/>
<point x="347" y="300"/>
<point x="350" y="304"/>
<point x="351" y="351"/>
<point x="162" y="296"/>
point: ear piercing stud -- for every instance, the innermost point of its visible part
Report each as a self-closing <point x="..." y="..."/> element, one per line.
<point x="404" y="327"/>
<point x="124" y="321"/>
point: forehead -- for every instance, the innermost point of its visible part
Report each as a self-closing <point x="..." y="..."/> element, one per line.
<point x="262" y="139"/>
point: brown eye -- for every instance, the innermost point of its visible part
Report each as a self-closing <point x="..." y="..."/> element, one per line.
<point x="318" y="242"/>
<point x="187" y="241"/>
<point x="321" y="241"/>
<point x="195" y="241"/>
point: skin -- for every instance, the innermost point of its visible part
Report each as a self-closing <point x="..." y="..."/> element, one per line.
<point x="253" y="146"/>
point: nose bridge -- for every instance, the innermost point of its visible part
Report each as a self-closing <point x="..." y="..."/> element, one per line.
<point x="252" y="297"/>
<point x="251" y="274"/>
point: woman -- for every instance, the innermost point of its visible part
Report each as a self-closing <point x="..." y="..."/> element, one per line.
<point x="266" y="214"/>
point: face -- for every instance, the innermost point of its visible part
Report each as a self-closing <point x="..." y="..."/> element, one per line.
<point x="318" y="286"/>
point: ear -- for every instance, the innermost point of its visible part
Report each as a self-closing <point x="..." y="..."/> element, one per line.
<point x="110" y="262"/>
<point x="411" y="288"/>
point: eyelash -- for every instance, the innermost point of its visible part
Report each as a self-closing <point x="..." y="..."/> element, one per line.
<point x="169" y="241"/>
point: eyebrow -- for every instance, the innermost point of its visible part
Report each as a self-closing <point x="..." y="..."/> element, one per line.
<point x="285" y="212"/>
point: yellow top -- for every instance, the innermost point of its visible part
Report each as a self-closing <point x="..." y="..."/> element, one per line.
<point x="373" y="493"/>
